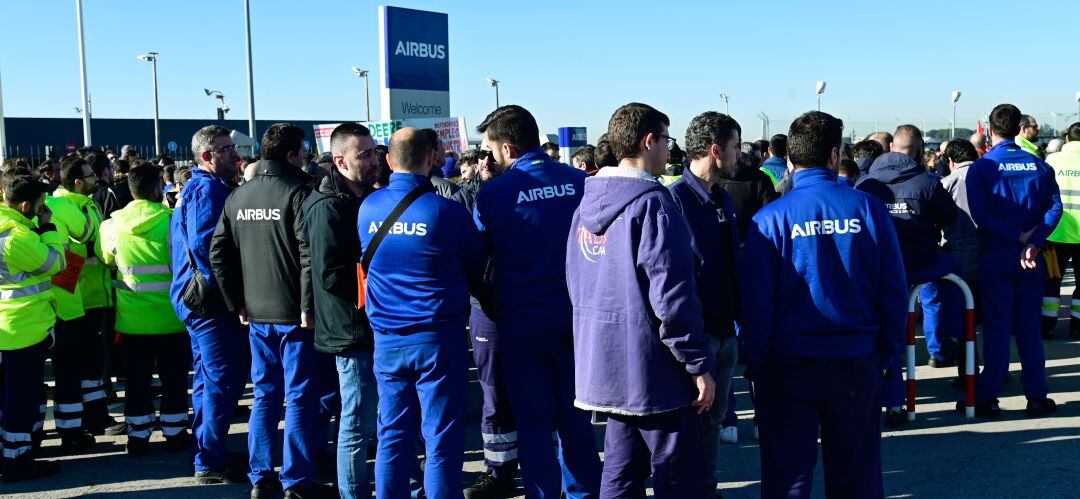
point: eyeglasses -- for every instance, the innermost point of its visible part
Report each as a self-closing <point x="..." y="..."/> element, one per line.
<point x="230" y="147"/>
<point x="670" y="140"/>
<point x="486" y="154"/>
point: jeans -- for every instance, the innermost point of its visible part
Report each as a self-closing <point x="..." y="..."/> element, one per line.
<point x="726" y="353"/>
<point x="359" y="410"/>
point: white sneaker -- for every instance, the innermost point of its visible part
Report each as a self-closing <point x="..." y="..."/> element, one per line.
<point x="756" y="436"/>
<point x="729" y="435"/>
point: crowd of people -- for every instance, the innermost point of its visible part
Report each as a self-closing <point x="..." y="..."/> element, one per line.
<point x="630" y="284"/>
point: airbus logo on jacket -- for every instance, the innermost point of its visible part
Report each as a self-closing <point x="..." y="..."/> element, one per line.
<point x="525" y="216"/>
<point x="260" y="245"/>
<point x="842" y="294"/>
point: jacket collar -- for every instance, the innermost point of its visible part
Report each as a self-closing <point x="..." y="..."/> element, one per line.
<point x="698" y="188"/>
<point x="623" y="171"/>
<point x="198" y="172"/>
<point x="813" y="176"/>
<point x="532" y="159"/>
<point x="1005" y="143"/>
<point x="409" y="181"/>
<point x="333" y="184"/>
<point x="1073" y="146"/>
<point x="7" y="212"/>
<point x="280" y="169"/>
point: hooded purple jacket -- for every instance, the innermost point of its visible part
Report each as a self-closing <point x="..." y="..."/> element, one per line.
<point x="638" y="332"/>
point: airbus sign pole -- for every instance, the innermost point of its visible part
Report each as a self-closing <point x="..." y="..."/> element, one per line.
<point x="414" y="64"/>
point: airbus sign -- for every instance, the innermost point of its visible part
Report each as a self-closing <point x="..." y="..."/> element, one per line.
<point x="414" y="62"/>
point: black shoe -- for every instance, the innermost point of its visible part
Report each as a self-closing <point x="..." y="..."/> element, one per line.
<point x="77" y="442"/>
<point x="267" y="487"/>
<point x="117" y="429"/>
<point x="895" y="418"/>
<point x="1037" y="408"/>
<point x="18" y="470"/>
<point x="215" y="477"/>
<point x="1047" y="328"/>
<point x="138" y="446"/>
<point x="178" y="443"/>
<point x="988" y="409"/>
<point x="104" y="425"/>
<point x="489" y="487"/>
<point x="939" y="364"/>
<point x="311" y="490"/>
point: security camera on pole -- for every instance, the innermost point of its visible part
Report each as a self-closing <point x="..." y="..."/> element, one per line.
<point x="1078" y="104"/>
<point x="152" y="58"/>
<point x="820" y="89"/>
<point x="221" y="111"/>
<point x="724" y="97"/>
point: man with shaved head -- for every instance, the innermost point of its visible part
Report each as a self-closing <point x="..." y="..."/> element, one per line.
<point x="418" y="252"/>
<point x="920" y="207"/>
<point x="883" y="138"/>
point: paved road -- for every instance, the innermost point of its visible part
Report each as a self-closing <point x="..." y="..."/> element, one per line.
<point x="942" y="454"/>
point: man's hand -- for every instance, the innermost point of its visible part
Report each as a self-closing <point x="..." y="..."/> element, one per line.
<point x="307" y="321"/>
<point x="706" y="392"/>
<point x="1026" y="236"/>
<point x="242" y="314"/>
<point x="44" y="214"/>
<point x="1027" y="257"/>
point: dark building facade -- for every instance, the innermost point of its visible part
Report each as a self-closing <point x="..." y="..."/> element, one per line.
<point x="30" y="137"/>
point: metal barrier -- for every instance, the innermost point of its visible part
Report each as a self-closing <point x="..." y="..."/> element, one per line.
<point x="969" y="347"/>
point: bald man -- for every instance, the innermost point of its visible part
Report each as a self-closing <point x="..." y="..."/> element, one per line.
<point x="920" y="208"/>
<point x="883" y="138"/>
<point x="418" y="264"/>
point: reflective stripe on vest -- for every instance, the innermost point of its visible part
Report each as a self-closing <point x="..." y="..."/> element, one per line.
<point x="18" y="277"/>
<point x="142" y="287"/>
<point x="145" y="270"/>
<point x="11" y="294"/>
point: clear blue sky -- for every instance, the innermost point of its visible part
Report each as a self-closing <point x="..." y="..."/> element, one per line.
<point x="570" y="62"/>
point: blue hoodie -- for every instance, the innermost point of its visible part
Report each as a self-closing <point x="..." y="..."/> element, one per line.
<point x="417" y="287"/>
<point x="638" y="332"/>
<point x="822" y="276"/>
<point x="920" y="206"/>
<point x="776" y="165"/>
<point x="191" y="227"/>
<point x="524" y="214"/>
<point x="1010" y="192"/>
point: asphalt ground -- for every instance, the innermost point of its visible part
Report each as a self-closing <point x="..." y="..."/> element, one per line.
<point x="942" y="454"/>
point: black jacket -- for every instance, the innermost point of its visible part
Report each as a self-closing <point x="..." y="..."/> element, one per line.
<point x="918" y="202"/>
<point x="443" y="187"/>
<point x="466" y="195"/>
<point x="259" y="250"/>
<point x="750" y="189"/>
<point x="330" y="223"/>
<point x="110" y="198"/>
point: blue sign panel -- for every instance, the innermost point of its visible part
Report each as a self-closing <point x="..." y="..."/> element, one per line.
<point x="417" y="49"/>
<point x="572" y="136"/>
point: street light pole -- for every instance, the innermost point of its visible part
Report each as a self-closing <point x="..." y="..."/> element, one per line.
<point x="955" y="97"/>
<point x="494" y="83"/>
<point x="764" y="125"/>
<point x="1078" y="105"/>
<point x="820" y="89"/>
<point x="152" y="57"/>
<point x="360" y="73"/>
<point x="82" y="72"/>
<point x="724" y="97"/>
<point x="3" y="136"/>
<point x="250" y="75"/>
